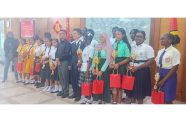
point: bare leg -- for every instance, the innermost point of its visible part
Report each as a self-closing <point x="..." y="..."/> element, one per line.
<point x="114" y="95"/>
<point x="119" y="96"/>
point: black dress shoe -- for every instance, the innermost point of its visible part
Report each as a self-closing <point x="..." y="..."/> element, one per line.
<point x="65" y="95"/>
<point x="36" y="84"/>
<point x="18" y="81"/>
<point x="54" y="91"/>
<point x="3" y="81"/>
<point x="60" y="94"/>
<point x="77" y="99"/>
<point x="40" y="85"/>
<point x="72" y="97"/>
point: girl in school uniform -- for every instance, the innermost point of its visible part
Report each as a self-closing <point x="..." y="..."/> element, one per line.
<point x="38" y="51"/>
<point x="43" y="49"/>
<point x="54" y="71"/>
<point x="103" y="52"/>
<point x="85" y="70"/>
<point x="21" y="58"/>
<point x="29" y="61"/>
<point x="140" y="67"/>
<point x="121" y="48"/>
<point x="168" y="60"/>
<point x="46" y="66"/>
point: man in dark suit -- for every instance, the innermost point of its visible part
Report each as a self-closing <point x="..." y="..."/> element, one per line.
<point x="63" y="56"/>
<point x="75" y="67"/>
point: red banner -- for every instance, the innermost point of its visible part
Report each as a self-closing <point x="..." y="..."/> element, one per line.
<point x="27" y="28"/>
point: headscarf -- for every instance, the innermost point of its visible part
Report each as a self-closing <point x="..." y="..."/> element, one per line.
<point x="105" y="46"/>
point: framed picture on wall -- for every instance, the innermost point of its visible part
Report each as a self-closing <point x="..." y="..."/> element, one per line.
<point x="27" y="28"/>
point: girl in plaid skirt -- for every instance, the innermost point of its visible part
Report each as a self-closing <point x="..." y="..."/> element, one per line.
<point x="86" y="72"/>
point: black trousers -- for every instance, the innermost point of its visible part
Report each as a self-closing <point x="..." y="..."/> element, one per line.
<point x="74" y="80"/>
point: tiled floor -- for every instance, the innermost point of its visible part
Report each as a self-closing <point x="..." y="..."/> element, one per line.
<point x="17" y="93"/>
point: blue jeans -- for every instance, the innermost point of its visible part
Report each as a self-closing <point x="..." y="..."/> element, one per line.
<point x="6" y="67"/>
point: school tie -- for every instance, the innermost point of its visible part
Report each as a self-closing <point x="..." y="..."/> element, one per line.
<point x="161" y="58"/>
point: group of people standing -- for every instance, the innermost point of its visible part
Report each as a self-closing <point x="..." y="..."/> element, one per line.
<point x="55" y="63"/>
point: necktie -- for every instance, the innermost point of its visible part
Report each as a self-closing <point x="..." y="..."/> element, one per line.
<point x="161" y="58"/>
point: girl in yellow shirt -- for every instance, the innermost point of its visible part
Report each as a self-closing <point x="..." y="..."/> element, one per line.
<point x="21" y="58"/>
<point x="29" y="60"/>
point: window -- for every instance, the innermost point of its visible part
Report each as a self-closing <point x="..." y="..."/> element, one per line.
<point x="106" y="24"/>
<point x="2" y="38"/>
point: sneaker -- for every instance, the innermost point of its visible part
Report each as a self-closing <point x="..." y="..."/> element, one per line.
<point x="23" y="80"/>
<point x="49" y="89"/>
<point x="89" y="101"/>
<point x="45" y="88"/>
<point x="56" y="89"/>
<point x="31" y="81"/>
<point x="26" y="82"/>
<point x="83" y="101"/>
<point x="97" y="102"/>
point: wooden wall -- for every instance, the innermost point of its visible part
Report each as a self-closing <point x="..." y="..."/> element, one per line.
<point x="161" y="26"/>
<point x="43" y="25"/>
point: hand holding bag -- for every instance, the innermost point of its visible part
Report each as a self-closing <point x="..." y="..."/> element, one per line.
<point x="158" y="97"/>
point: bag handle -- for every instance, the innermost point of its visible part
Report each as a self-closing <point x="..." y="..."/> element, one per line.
<point x="129" y="72"/>
<point x="114" y="70"/>
<point x="98" y="77"/>
<point x="157" y="89"/>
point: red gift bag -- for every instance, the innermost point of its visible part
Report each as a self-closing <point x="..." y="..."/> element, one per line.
<point x="32" y="71"/>
<point x="115" y="80"/>
<point x="128" y="82"/>
<point x="37" y="67"/>
<point x="86" y="89"/>
<point x="157" y="97"/>
<point x="97" y="87"/>
<point x="19" y="67"/>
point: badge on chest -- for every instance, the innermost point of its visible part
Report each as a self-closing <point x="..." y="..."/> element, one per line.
<point x="168" y="60"/>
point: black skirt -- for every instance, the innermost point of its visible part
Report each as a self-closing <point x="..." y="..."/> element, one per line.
<point x="47" y="72"/>
<point x="122" y="68"/>
<point x="142" y="83"/>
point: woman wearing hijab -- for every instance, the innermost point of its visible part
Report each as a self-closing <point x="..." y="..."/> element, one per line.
<point x="103" y="53"/>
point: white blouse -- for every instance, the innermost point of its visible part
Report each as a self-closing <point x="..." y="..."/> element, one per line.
<point x="143" y="52"/>
<point x="87" y="53"/>
<point x="52" y="53"/>
<point x="38" y="50"/>
<point x="47" y="51"/>
<point x="170" y="59"/>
